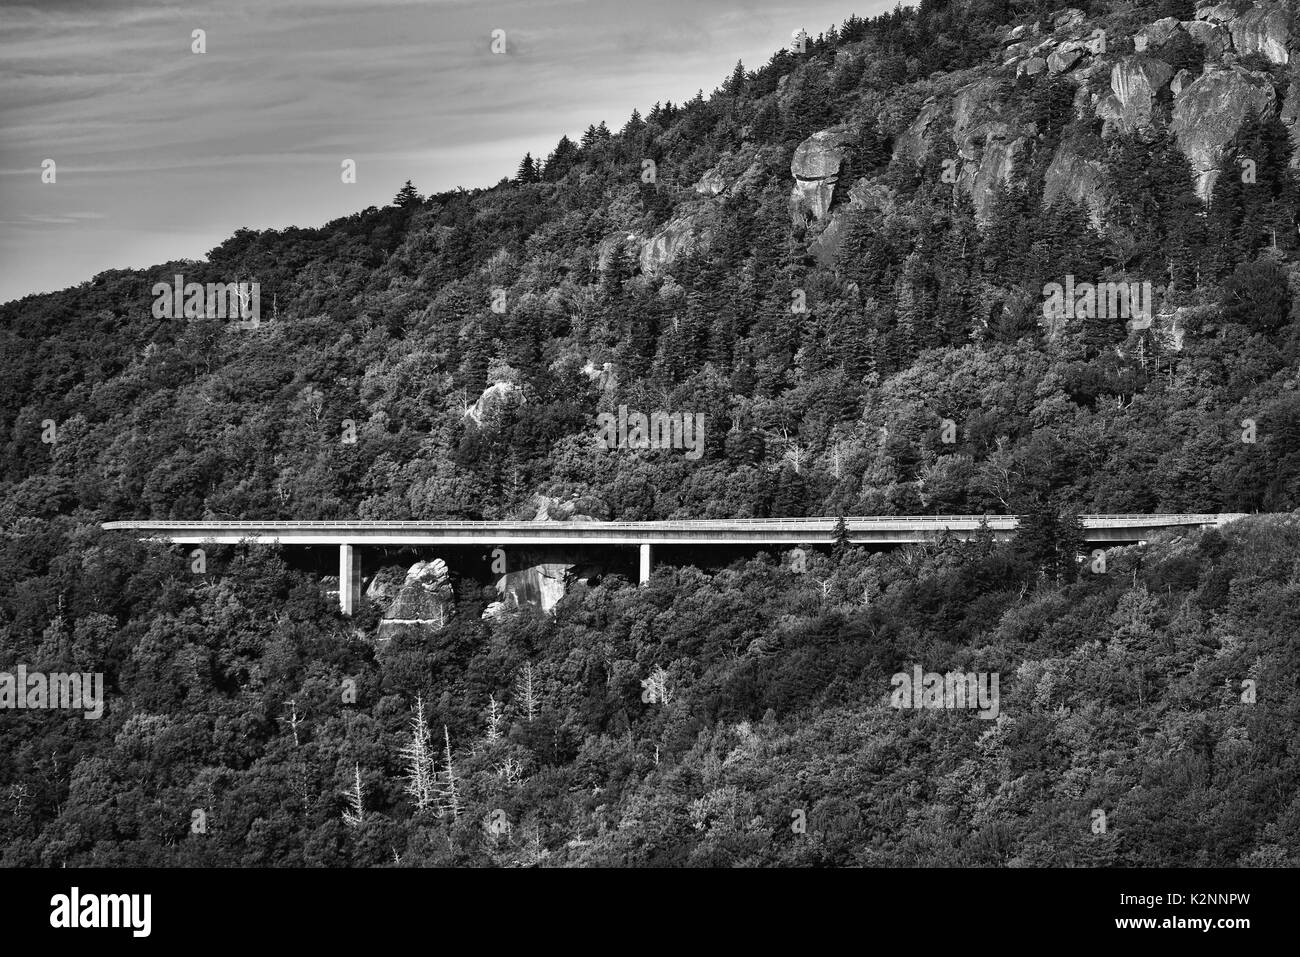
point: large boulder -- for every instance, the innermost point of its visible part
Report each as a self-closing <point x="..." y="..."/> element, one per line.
<point x="1215" y="12"/>
<point x="537" y="579"/>
<point x="495" y="399"/>
<point x="1262" y="29"/>
<point x="548" y="508"/>
<point x="1134" y="82"/>
<point x="1018" y="33"/>
<point x="1032" y="66"/>
<point x="1213" y="36"/>
<point x="425" y="598"/>
<point x="816" y="169"/>
<point x="1064" y="58"/>
<point x="1209" y="112"/>
<point x="732" y="175"/>
<point x="1157" y="34"/>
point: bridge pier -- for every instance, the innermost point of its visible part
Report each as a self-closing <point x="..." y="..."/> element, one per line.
<point x="646" y="561"/>
<point x="349" y="579"/>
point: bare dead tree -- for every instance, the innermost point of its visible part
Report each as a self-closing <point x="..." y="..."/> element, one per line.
<point x="448" y="798"/>
<point x="356" y="796"/>
<point x="526" y="688"/>
<point x="418" y="754"/>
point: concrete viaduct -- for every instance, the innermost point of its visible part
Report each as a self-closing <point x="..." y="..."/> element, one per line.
<point x="788" y="532"/>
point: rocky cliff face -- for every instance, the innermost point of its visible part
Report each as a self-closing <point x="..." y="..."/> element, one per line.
<point x="989" y="140"/>
<point x="1190" y="77"/>
<point x="1071" y="176"/>
<point x="1209" y="112"/>
<point x="1134" y="81"/>
<point x="1263" y="29"/>
<point x="1121" y="81"/>
<point x="687" y="232"/>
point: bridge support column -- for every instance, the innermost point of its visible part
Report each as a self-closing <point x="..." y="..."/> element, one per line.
<point x="645" y="562"/>
<point x="349" y="579"/>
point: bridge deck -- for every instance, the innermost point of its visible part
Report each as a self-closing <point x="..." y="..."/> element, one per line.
<point x="868" y="529"/>
<point x="863" y="529"/>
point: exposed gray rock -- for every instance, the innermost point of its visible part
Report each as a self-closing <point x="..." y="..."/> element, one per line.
<point x="1134" y="81"/>
<point x="1215" y="38"/>
<point x="547" y="508"/>
<point x="711" y="183"/>
<point x="1068" y="19"/>
<point x="816" y="169"/>
<point x="604" y="377"/>
<point x="915" y="142"/>
<point x="1063" y="59"/>
<point x="1291" y="116"/>
<point x="686" y="232"/>
<point x="1215" y="12"/>
<point x="425" y="598"/>
<point x="1082" y="181"/>
<point x="537" y="578"/>
<point x="996" y="166"/>
<point x="1209" y="112"/>
<point x="872" y="195"/>
<point x="869" y="196"/>
<point x="1262" y="29"/>
<point x="1020" y="32"/>
<point x="496" y="398"/>
<point x="1180" y="80"/>
<point x="385" y="585"/>
<point x="1156" y="34"/>
<point x="1031" y="67"/>
<point x="988" y="140"/>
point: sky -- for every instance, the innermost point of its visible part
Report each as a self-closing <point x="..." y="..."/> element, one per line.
<point x="160" y="153"/>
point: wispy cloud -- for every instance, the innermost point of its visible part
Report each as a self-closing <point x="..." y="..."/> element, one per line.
<point x="164" y="143"/>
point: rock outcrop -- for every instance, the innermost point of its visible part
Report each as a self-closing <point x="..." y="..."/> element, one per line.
<point x="1263" y="29"/>
<point x="1156" y="34"/>
<point x="1134" y="82"/>
<point x="868" y="195"/>
<point x="425" y="598"/>
<point x="686" y="233"/>
<point x="1079" y="180"/>
<point x="539" y="580"/>
<point x="711" y="183"/>
<point x="547" y="508"/>
<point x="816" y="170"/>
<point x="537" y="577"/>
<point x="1063" y="58"/>
<point x="1215" y="38"/>
<point x="1291" y="116"/>
<point x="1209" y="112"/>
<point x="989" y="141"/>
<point x="495" y="399"/>
<point x="915" y="142"/>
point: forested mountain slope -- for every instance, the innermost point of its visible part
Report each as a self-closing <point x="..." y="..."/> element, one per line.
<point x="840" y="260"/>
